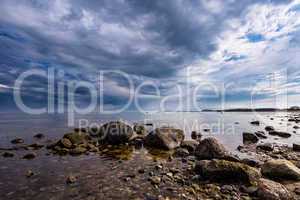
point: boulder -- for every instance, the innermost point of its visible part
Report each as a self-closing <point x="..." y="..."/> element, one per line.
<point x="226" y="171"/>
<point x="249" y="138"/>
<point x="269" y="128"/>
<point x="165" y="138"/>
<point x="116" y="133"/>
<point x="210" y="148"/>
<point x="265" y="147"/>
<point x="296" y="147"/>
<point x="280" y="169"/>
<point x="190" y="145"/>
<point x="280" y="134"/>
<point x="271" y="190"/>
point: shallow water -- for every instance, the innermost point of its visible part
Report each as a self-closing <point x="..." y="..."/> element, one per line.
<point x="227" y="127"/>
<point x="102" y="176"/>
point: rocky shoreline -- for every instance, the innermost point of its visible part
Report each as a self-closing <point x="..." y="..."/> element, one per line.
<point x="201" y="168"/>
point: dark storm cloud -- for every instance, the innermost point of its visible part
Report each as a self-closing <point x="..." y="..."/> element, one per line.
<point x="148" y="38"/>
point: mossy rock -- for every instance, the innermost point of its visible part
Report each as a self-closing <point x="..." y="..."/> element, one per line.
<point x="77" y="138"/>
<point x="226" y="171"/>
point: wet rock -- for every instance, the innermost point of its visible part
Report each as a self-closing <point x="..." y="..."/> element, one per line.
<point x="29" y="156"/>
<point x="280" y="169"/>
<point x="265" y="147"/>
<point x="210" y="148"/>
<point x="8" y="155"/>
<point x="226" y="171"/>
<point x="78" y="150"/>
<point x="77" y="138"/>
<point x="296" y="147"/>
<point x="165" y="138"/>
<point x="257" y="123"/>
<point x="280" y="134"/>
<point x="206" y="130"/>
<point x="261" y="134"/>
<point x="155" y="180"/>
<point x="269" y="128"/>
<point x="140" y="129"/>
<point x="137" y="142"/>
<point x="249" y="138"/>
<point x="181" y="152"/>
<point x="196" y="136"/>
<point x="116" y="133"/>
<point x="71" y="179"/>
<point x="296" y="127"/>
<point x="271" y="190"/>
<point x="190" y="145"/>
<point x="65" y="142"/>
<point x="17" y="141"/>
<point x="39" y="136"/>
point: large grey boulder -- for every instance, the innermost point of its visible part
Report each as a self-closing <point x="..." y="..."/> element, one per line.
<point x="210" y="148"/>
<point x="280" y="169"/>
<point x="116" y="133"/>
<point x="226" y="171"/>
<point x="165" y="138"/>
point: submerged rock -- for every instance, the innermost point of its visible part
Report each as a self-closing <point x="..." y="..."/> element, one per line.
<point x="280" y="169"/>
<point x="165" y="138"/>
<point x="226" y="171"/>
<point x="210" y="148"/>
<point x="116" y="133"/>
<point x="280" y="134"/>
<point x="271" y="190"/>
<point x="249" y="138"/>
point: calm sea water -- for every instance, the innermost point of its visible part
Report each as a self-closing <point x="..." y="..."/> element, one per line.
<point x="227" y="127"/>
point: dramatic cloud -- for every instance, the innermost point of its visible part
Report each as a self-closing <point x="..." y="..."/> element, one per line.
<point x="156" y="41"/>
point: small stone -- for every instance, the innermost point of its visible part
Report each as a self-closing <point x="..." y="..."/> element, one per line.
<point x="296" y="147"/>
<point x="257" y="123"/>
<point x="29" y="173"/>
<point x="269" y="128"/>
<point x="261" y="134"/>
<point x="29" y="156"/>
<point x="71" y="179"/>
<point x="39" y="136"/>
<point x="155" y="180"/>
<point x="141" y="171"/>
<point x="170" y="175"/>
<point x="8" y="155"/>
<point x="226" y="188"/>
<point x="17" y="141"/>
<point x="280" y="134"/>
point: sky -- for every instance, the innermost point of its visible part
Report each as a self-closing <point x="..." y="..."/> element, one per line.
<point x="182" y="54"/>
